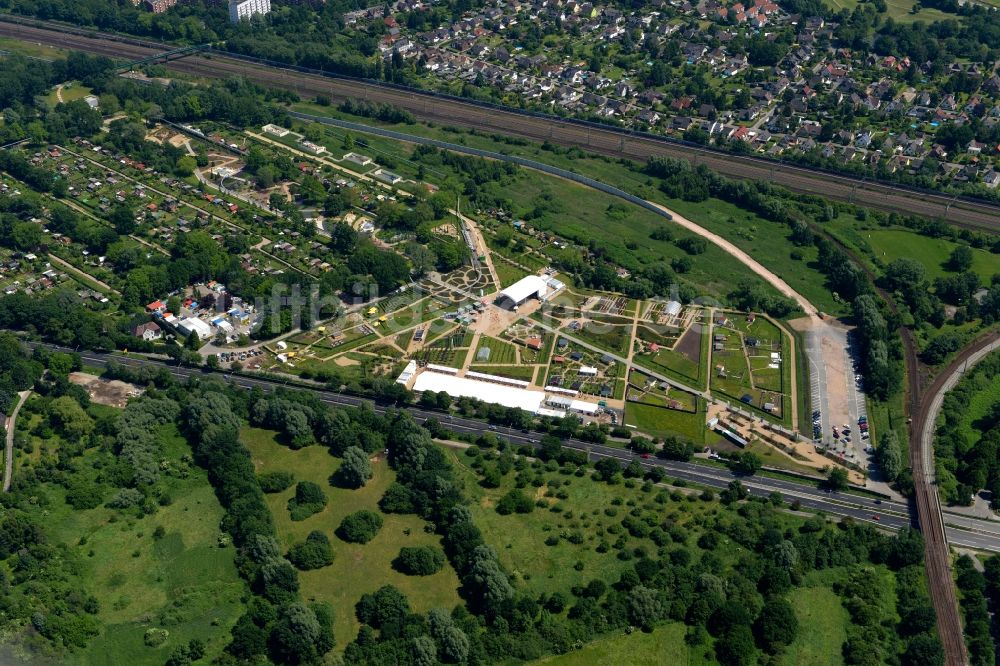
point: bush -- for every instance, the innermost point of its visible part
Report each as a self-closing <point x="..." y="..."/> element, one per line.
<point x="308" y="500"/>
<point x="419" y="561"/>
<point x="313" y="553"/>
<point x="514" y="502"/>
<point x="276" y="482"/>
<point x="360" y="526"/>
<point x="84" y="495"/>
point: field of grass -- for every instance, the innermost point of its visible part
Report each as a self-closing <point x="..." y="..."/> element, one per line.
<point x="660" y="422"/>
<point x="664" y="646"/>
<point x="507" y="273"/>
<point x="500" y="352"/>
<point x="588" y="510"/>
<point x="822" y="627"/>
<point x="184" y="582"/>
<point x="70" y="92"/>
<point x="523" y="372"/>
<point x="767" y="242"/>
<point x="891" y="244"/>
<point x="357" y="569"/>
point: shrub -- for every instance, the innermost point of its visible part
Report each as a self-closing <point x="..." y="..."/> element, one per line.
<point x="308" y="499"/>
<point x="419" y="561"/>
<point x="313" y="553"/>
<point x="84" y="495"/>
<point x="360" y="526"/>
<point x="276" y="482"/>
<point x="514" y="502"/>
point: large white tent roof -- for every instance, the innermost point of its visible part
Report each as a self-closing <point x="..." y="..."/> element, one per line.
<point x="525" y="288"/>
<point x="508" y="396"/>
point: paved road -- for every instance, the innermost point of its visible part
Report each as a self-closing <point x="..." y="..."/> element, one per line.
<point x="8" y="456"/>
<point x="608" y="141"/>
<point x="892" y="515"/>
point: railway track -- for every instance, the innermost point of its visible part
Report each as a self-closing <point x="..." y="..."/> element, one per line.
<point x="606" y="141"/>
<point x="924" y="406"/>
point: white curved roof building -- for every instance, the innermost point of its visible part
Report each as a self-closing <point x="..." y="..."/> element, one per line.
<point x="531" y="286"/>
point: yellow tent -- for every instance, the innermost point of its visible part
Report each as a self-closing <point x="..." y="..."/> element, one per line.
<point x="382" y="318"/>
<point x="372" y="310"/>
<point x="321" y="329"/>
<point x="375" y="324"/>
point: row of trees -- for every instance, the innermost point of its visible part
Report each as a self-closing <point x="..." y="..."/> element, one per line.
<point x="967" y="451"/>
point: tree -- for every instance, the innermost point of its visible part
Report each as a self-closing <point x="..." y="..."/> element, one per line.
<point x="960" y="259"/>
<point x="69" y="418"/>
<point x="836" y="479"/>
<point x="360" y="526"/>
<point x="313" y="553"/>
<point x="123" y="220"/>
<point x="776" y="625"/>
<point x="923" y="650"/>
<point x="453" y="644"/>
<point x="298" y="637"/>
<point x="889" y="456"/>
<point x="419" y="560"/>
<point x="384" y="605"/>
<point x="308" y="499"/>
<point x="736" y="647"/>
<point x="745" y="463"/>
<point x="355" y="469"/>
<point x="644" y="607"/>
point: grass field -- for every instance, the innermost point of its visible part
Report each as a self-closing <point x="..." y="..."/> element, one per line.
<point x="664" y="646"/>
<point x="767" y="242"/>
<point x="184" y="582"/>
<point x="588" y="509"/>
<point x="660" y="422"/>
<point x="357" y="569"/>
<point x="822" y="627"/>
<point x="891" y="244"/>
<point x="523" y="372"/>
<point x="500" y="352"/>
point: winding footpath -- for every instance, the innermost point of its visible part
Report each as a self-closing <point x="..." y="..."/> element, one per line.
<point x="8" y="457"/>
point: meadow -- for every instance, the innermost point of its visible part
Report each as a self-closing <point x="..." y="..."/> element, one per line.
<point x="357" y="568"/>
<point x="173" y="569"/>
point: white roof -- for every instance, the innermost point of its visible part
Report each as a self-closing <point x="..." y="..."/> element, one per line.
<point x="508" y="396"/>
<point x="673" y="308"/>
<point x="525" y="288"/>
<point x="583" y="407"/>
<point x="196" y="326"/>
<point x="556" y="413"/>
<point x="587" y="370"/>
<point x="407" y="373"/>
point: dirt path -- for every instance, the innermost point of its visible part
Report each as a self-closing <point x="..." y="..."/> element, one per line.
<point x="8" y="457"/>
<point x="70" y="268"/>
<point x="744" y="258"/>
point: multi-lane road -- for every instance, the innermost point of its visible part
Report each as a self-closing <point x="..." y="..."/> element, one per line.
<point x="451" y="111"/>
<point x="962" y="530"/>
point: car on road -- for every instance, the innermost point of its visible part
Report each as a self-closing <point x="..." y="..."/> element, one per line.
<point x="876" y="517"/>
<point x="645" y="456"/>
<point x="878" y="501"/>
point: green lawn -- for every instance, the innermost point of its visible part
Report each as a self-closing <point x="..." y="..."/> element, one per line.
<point x="767" y="242"/>
<point x="589" y="510"/>
<point x="500" y="352"/>
<point x="660" y="422"/>
<point x="184" y="582"/>
<point x="891" y="244"/>
<point x="822" y="628"/>
<point x="357" y="569"/>
<point x="664" y="646"/>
